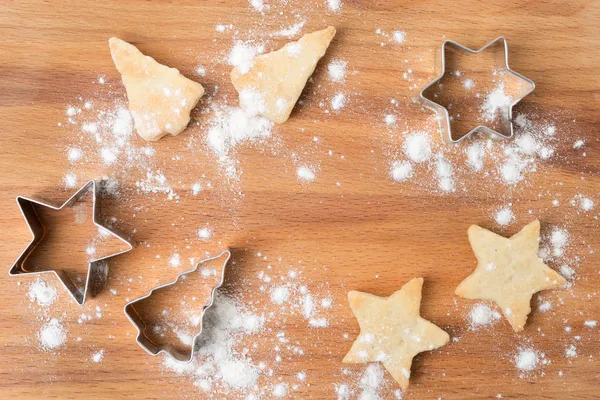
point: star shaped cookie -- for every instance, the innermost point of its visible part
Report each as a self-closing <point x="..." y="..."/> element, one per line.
<point x="509" y="271"/>
<point x="392" y="331"/>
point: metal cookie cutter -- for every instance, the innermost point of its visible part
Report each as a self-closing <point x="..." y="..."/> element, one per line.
<point x="96" y="267"/>
<point x="442" y="112"/>
<point x="140" y="324"/>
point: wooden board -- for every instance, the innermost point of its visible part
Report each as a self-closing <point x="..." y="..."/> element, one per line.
<point x="352" y="228"/>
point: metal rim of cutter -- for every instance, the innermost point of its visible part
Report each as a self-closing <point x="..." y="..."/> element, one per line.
<point x="442" y="112"/>
<point x="140" y="325"/>
<point x="38" y="232"/>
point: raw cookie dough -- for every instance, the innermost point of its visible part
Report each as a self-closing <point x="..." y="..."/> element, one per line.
<point x="392" y="330"/>
<point x="160" y="98"/>
<point x="509" y="271"/>
<point x="275" y="80"/>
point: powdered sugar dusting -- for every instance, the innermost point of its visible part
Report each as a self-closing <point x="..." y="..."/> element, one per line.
<point x="52" y="335"/>
<point x="42" y="293"/>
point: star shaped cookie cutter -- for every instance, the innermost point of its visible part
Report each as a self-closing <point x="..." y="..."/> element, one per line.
<point x="143" y="339"/>
<point x="38" y="231"/>
<point x="442" y="112"/>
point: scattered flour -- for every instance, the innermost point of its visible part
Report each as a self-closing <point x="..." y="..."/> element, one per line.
<point x="305" y="174"/>
<point x="482" y="315"/>
<point x="231" y="126"/>
<point x="74" y="154"/>
<point x="335" y="5"/>
<point x="504" y="216"/>
<point x="443" y="172"/>
<point x="338" y="101"/>
<point x="337" y="70"/>
<point x="571" y="351"/>
<point x="497" y="101"/>
<point x="591" y="323"/>
<point x="527" y="360"/>
<point x="417" y="147"/>
<point x="219" y="365"/>
<point x="280" y="295"/>
<point x="399" y="36"/>
<point x="205" y="233"/>
<point x="468" y="84"/>
<point x="280" y="390"/>
<point x="42" y="293"/>
<point x="475" y="153"/>
<point x="156" y="182"/>
<point x="175" y="260"/>
<point x="52" y="335"/>
<point x="200" y="70"/>
<point x="291" y="31"/>
<point x="242" y="55"/>
<point x="70" y="181"/>
<point x="559" y="239"/>
<point x="258" y="5"/>
<point x="401" y="171"/>
<point x="98" y="356"/>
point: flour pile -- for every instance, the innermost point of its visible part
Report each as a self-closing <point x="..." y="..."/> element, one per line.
<point x="441" y="168"/>
<point x="219" y="363"/>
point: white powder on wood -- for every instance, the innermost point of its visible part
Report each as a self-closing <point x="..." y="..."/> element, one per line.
<point x="217" y="360"/>
<point x="205" y="233"/>
<point x="527" y="360"/>
<point x="280" y="295"/>
<point x="74" y="154"/>
<point x="417" y="148"/>
<point x="482" y="315"/>
<point x="318" y="322"/>
<point x="504" y="216"/>
<point x="497" y="101"/>
<point x="571" y="351"/>
<point x="70" y="181"/>
<point x="475" y="153"/>
<point x="468" y="84"/>
<point x="401" y="171"/>
<point x="231" y="126"/>
<point x="559" y="239"/>
<point x="304" y="173"/>
<point x="590" y="323"/>
<point x="52" y="335"/>
<point x="390" y="119"/>
<point x="200" y="70"/>
<point x="280" y="390"/>
<point x="258" y="5"/>
<point x="42" y="293"/>
<point x="399" y="37"/>
<point x="242" y="55"/>
<point x="338" y="101"/>
<point x="586" y="204"/>
<point x="291" y="31"/>
<point x="443" y="171"/>
<point x="337" y="70"/>
<point x="98" y="356"/>
<point x="175" y="260"/>
<point x="334" y="5"/>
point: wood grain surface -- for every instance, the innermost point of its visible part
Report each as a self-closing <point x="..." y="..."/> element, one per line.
<point x="352" y="228"/>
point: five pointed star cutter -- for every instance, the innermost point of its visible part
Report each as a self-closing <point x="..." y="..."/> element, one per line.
<point x="442" y="112"/>
<point x="96" y="267"/>
<point x="141" y="325"/>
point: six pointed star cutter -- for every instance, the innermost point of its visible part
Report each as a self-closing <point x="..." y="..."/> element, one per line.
<point x="38" y="231"/>
<point x="145" y="341"/>
<point x="442" y="112"/>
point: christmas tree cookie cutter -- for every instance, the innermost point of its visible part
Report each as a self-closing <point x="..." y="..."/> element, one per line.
<point x="146" y="342"/>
